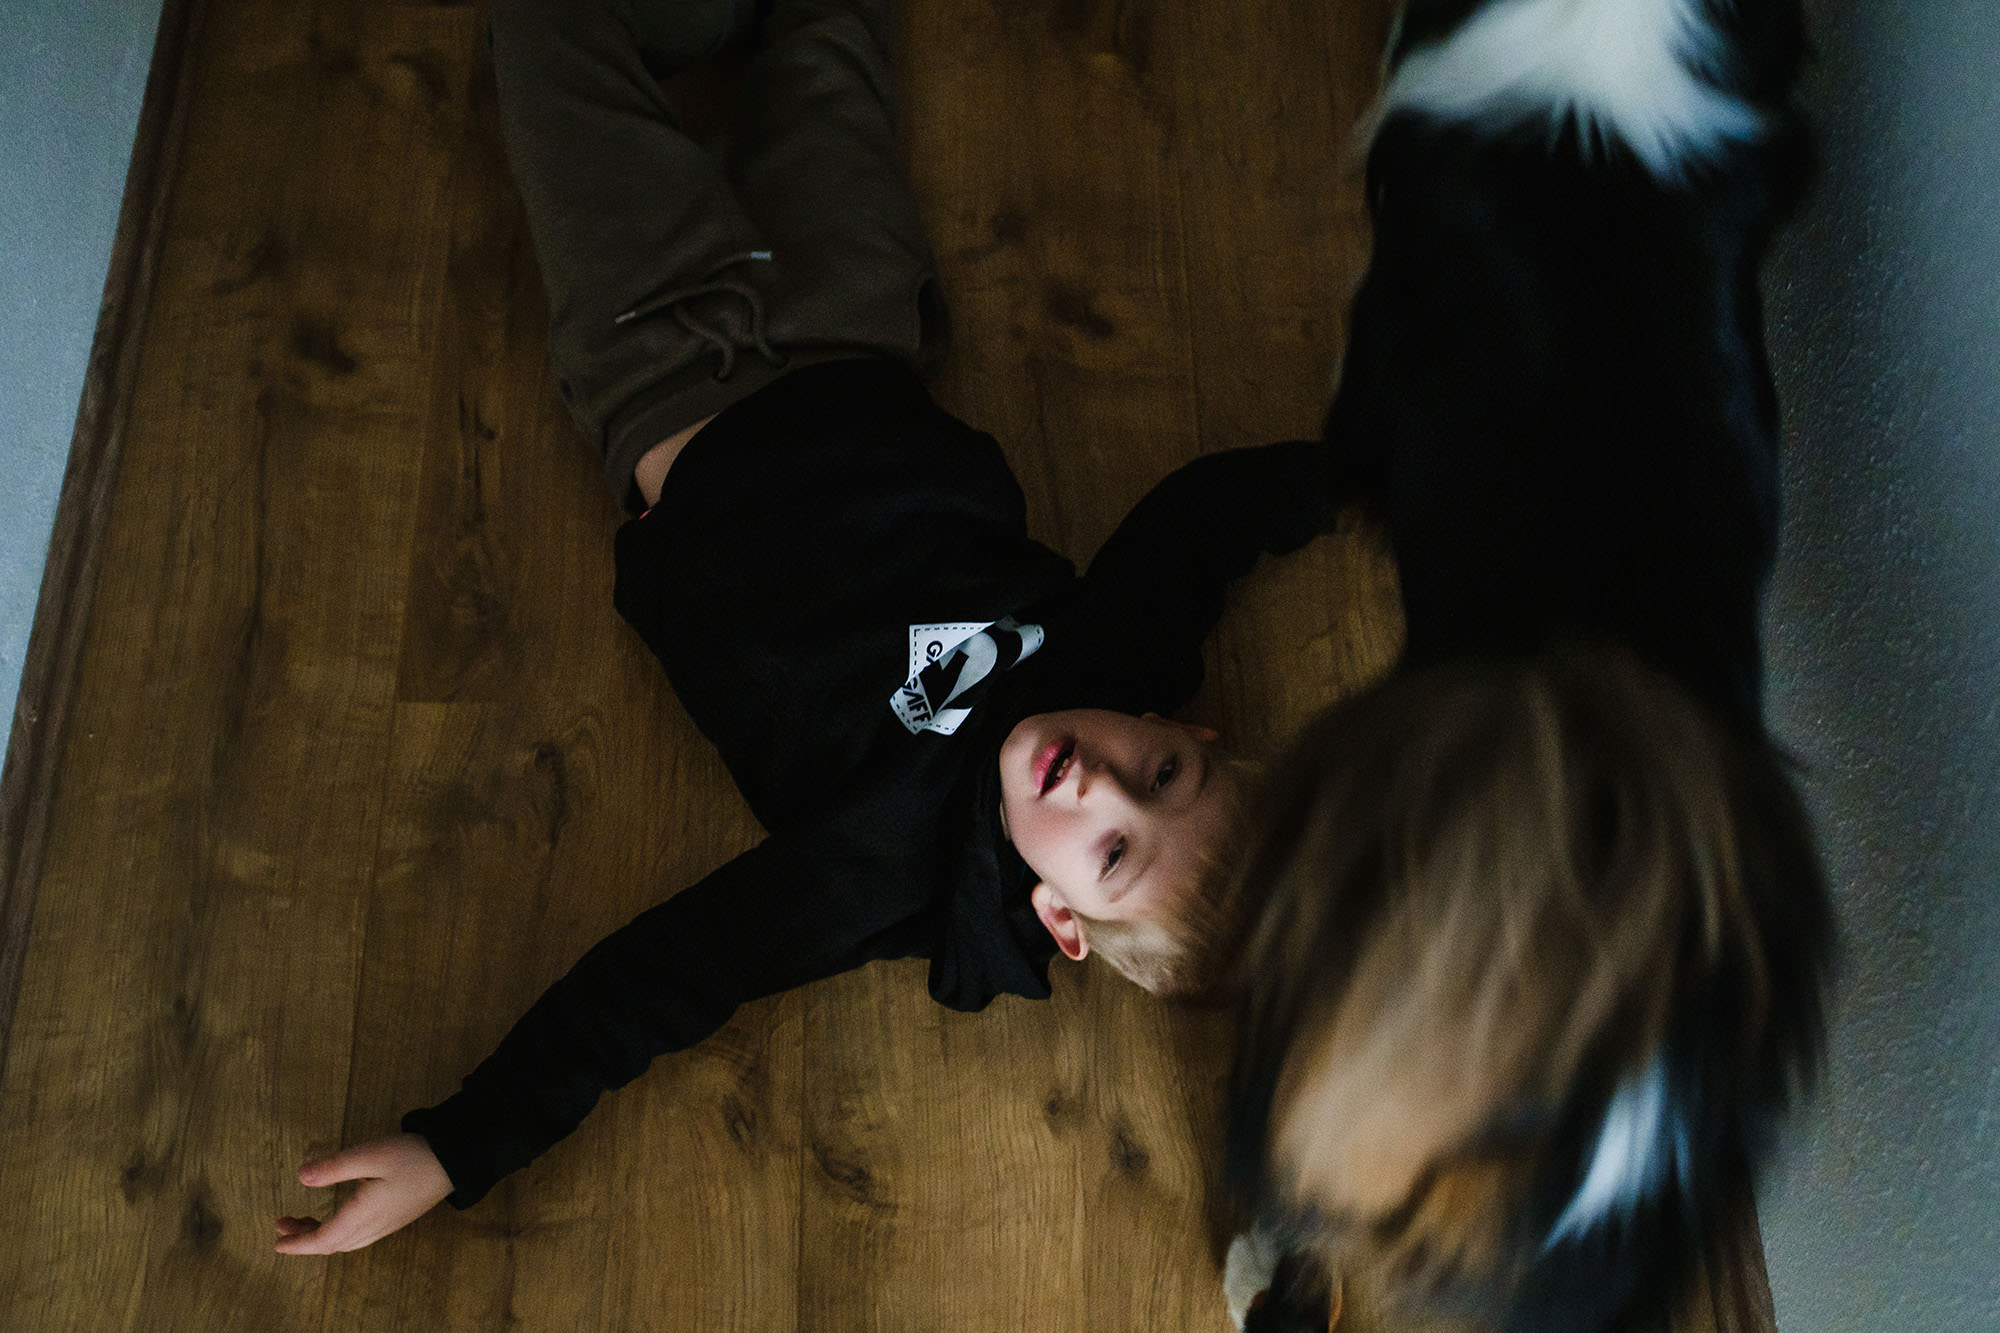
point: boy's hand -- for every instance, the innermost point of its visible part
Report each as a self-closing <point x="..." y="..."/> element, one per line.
<point x="401" y="1180"/>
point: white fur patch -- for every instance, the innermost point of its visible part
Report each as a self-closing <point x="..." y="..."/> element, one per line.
<point x="1640" y="1140"/>
<point x="1253" y="1260"/>
<point x="1619" y="69"/>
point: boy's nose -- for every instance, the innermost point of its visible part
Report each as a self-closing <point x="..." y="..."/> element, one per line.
<point x="1095" y="776"/>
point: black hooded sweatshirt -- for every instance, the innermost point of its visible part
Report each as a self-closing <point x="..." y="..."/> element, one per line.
<point x="813" y="547"/>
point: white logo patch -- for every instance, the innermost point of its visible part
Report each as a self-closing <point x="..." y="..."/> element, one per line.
<point x="977" y="655"/>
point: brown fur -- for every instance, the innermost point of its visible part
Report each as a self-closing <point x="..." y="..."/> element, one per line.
<point x="1490" y="894"/>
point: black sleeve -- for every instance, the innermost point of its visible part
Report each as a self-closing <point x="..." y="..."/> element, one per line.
<point x="791" y="910"/>
<point x="1156" y="587"/>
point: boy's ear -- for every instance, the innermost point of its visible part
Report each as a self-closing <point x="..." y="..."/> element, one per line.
<point x="1198" y="732"/>
<point x="1060" y="922"/>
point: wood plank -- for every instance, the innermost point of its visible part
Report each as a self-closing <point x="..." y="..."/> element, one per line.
<point x="1040" y="149"/>
<point x="1267" y="96"/>
<point x="188" y="996"/>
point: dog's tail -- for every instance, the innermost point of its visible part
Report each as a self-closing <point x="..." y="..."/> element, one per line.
<point x="1673" y="82"/>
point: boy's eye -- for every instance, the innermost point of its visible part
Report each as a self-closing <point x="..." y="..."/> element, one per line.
<point x="1168" y="772"/>
<point x="1113" y="857"/>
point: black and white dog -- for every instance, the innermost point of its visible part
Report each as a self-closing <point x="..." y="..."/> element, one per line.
<point x="1541" y="937"/>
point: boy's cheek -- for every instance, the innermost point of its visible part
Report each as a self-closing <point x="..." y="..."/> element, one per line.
<point x="1028" y="844"/>
<point x="1046" y="855"/>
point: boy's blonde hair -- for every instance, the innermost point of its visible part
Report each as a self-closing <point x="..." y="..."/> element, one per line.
<point x="1189" y="954"/>
<point x="1489" y="898"/>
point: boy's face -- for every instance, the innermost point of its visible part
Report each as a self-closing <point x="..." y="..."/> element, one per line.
<point x="1112" y="812"/>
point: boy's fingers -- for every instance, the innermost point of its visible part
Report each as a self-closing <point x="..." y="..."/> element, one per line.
<point x="396" y="1188"/>
<point x="339" y="1232"/>
<point x="331" y="1170"/>
<point x="363" y="1159"/>
<point x="301" y="1242"/>
<point x="311" y="1243"/>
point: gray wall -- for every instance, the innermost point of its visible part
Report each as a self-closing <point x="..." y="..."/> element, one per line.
<point x="1885" y="667"/>
<point x="71" y="77"/>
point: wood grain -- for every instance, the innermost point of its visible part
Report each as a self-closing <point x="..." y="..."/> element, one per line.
<point x="360" y="758"/>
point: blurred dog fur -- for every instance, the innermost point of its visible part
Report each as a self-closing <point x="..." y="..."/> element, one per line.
<point x="1543" y="936"/>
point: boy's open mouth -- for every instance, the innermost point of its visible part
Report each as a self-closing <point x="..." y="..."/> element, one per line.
<point x="1052" y="763"/>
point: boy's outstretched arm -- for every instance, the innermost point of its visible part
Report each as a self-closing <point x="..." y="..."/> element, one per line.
<point x="799" y="906"/>
<point x="1157" y="583"/>
<point x="401" y="1180"/>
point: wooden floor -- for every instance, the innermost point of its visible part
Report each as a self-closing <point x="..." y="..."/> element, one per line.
<point x="360" y="758"/>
